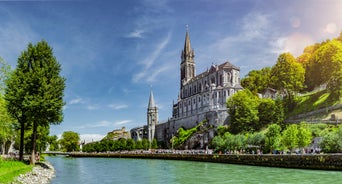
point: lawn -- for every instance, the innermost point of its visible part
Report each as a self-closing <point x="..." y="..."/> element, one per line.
<point x="9" y="170"/>
<point x="313" y="101"/>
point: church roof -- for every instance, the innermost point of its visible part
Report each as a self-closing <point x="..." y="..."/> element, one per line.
<point x="224" y="66"/>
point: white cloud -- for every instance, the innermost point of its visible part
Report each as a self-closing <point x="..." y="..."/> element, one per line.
<point x="294" y="43"/>
<point x="254" y="26"/>
<point x="330" y="28"/>
<point x="103" y="123"/>
<point x="150" y="60"/>
<point x="136" y="34"/>
<point x="92" y="107"/>
<point x="118" y="107"/>
<point x="122" y="122"/>
<point x="77" y="100"/>
<point x="152" y="77"/>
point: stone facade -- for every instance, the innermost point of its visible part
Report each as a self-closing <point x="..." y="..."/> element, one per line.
<point x="201" y="97"/>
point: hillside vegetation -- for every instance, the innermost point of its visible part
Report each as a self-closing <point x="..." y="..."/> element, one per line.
<point x="313" y="101"/>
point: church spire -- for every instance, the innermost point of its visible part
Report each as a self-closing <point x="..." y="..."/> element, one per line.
<point x="187" y="64"/>
<point x="187" y="46"/>
<point x="151" y="103"/>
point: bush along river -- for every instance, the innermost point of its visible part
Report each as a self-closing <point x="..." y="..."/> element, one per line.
<point x="128" y="170"/>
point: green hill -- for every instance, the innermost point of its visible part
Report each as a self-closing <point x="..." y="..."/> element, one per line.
<point x="314" y="101"/>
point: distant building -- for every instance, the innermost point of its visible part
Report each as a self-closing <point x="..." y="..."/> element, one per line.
<point x="118" y="134"/>
<point x="201" y="97"/>
<point x="269" y="93"/>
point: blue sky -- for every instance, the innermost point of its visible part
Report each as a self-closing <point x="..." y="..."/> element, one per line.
<point x="112" y="52"/>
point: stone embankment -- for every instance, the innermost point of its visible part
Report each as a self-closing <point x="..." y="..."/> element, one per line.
<point x="42" y="173"/>
<point x="305" y="161"/>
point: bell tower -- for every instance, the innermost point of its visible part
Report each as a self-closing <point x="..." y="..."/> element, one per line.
<point x="187" y="66"/>
<point x="152" y="117"/>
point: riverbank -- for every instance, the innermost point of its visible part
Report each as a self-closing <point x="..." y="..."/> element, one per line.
<point x="306" y="161"/>
<point x="42" y="173"/>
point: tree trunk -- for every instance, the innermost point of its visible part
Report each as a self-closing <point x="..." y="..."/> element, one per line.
<point x="3" y="147"/>
<point x="34" y="138"/>
<point x="22" y="134"/>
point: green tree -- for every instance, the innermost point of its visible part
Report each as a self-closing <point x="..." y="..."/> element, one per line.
<point x="145" y="144"/>
<point x="35" y="90"/>
<point x="53" y="143"/>
<point x="269" y="112"/>
<point x="257" y="80"/>
<point x="218" y="144"/>
<point x="329" y="143"/>
<point x="287" y="76"/>
<point x="290" y="137"/>
<point x="7" y="123"/>
<point x="139" y="145"/>
<point x="325" y="62"/>
<point x="273" y="136"/>
<point x="243" y="111"/>
<point x="154" y="144"/>
<point x="335" y="84"/>
<point x="304" y="136"/>
<point x="130" y="144"/>
<point x="70" y="141"/>
<point x="256" y="139"/>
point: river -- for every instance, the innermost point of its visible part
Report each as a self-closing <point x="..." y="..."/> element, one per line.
<point x="146" y="171"/>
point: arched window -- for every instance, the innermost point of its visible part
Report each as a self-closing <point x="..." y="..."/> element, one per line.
<point x="213" y="80"/>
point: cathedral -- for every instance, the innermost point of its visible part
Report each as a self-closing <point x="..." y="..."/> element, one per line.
<point x="201" y="97"/>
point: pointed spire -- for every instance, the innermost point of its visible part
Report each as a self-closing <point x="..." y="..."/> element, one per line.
<point x="187" y="46"/>
<point x="151" y="103"/>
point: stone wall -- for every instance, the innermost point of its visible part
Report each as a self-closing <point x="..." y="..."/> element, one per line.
<point x="319" y="161"/>
<point x="165" y="131"/>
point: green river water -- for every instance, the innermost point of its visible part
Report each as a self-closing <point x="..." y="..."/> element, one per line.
<point x="146" y="171"/>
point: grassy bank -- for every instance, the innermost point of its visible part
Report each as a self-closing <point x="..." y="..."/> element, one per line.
<point x="9" y="170"/>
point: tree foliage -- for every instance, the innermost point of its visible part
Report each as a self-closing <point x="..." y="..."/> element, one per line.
<point x="323" y="63"/>
<point x="35" y="90"/>
<point x="7" y="123"/>
<point x="257" y="80"/>
<point x="118" y="145"/>
<point x="332" y="141"/>
<point x="243" y="111"/>
<point x="70" y="141"/>
<point x="287" y="75"/>
<point x="53" y="143"/>
<point x="273" y="137"/>
<point x="290" y="137"/>
<point x="269" y="112"/>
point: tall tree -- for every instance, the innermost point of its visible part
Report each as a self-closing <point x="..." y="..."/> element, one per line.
<point x="243" y="111"/>
<point x="257" y="80"/>
<point x="35" y="91"/>
<point x="290" y="137"/>
<point x="6" y="122"/>
<point x="69" y="141"/>
<point x="273" y="136"/>
<point x="270" y="111"/>
<point x="304" y="136"/>
<point x="287" y="75"/>
<point x="325" y="61"/>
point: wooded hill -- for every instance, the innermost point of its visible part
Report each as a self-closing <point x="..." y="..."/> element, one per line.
<point x="309" y="82"/>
